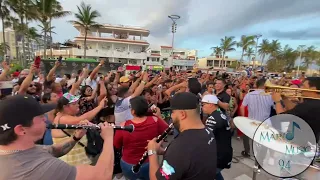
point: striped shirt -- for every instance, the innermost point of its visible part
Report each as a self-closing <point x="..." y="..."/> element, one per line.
<point x="259" y="106"/>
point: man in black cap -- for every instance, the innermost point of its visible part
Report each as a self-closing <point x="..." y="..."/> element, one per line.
<point x="192" y="154"/>
<point x="22" y="123"/>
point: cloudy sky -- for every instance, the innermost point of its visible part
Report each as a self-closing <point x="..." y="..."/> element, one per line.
<point x="204" y="22"/>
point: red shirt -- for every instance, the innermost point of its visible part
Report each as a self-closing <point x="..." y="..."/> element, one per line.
<point x="134" y="143"/>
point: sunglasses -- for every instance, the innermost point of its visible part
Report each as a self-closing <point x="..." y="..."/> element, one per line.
<point x="32" y="85"/>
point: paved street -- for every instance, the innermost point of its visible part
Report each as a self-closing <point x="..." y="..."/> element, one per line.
<point x="241" y="170"/>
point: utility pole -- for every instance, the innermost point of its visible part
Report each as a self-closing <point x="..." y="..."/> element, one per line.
<point x="174" y="18"/>
<point x="256" y="52"/>
<point x="301" y="47"/>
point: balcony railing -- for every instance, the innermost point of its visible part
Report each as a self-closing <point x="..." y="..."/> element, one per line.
<point x="110" y="53"/>
<point x="111" y="37"/>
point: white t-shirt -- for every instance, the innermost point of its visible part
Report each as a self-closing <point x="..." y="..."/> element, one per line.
<point x="91" y="82"/>
<point x="122" y="110"/>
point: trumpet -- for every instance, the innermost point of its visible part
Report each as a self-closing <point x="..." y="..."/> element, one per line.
<point x="287" y="91"/>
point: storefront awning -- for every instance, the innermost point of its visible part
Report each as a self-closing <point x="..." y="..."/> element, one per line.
<point x="133" y="68"/>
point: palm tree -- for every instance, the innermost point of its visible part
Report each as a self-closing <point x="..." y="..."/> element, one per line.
<point x="47" y="11"/>
<point x="264" y="49"/>
<point x="217" y="51"/>
<point x="164" y="60"/>
<point x="275" y="49"/>
<point x="227" y="44"/>
<point x="245" y="42"/>
<point x="309" y="55"/>
<point x="3" y="49"/>
<point x="4" y="14"/>
<point x="86" y="19"/>
<point x="249" y="53"/>
<point x="45" y="29"/>
<point x="288" y="58"/>
<point x="32" y="34"/>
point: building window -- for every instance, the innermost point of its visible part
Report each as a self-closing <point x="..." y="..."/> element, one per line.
<point x="209" y="62"/>
<point x="216" y="63"/>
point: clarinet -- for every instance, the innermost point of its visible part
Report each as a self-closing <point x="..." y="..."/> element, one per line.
<point x="136" y="168"/>
<point x="129" y="128"/>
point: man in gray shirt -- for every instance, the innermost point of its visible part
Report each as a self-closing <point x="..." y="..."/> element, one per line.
<point x="22" y="123"/>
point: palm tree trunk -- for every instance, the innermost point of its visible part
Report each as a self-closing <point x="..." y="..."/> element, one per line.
<point x="241" y="59"/>
<point x="85" y="45"/>
<point x="23" y="44"/>
<point x="50" y="43"/>
<point x="222" y="62"/>
<point x="3" y="36"/>
<point x="45" y="45"/>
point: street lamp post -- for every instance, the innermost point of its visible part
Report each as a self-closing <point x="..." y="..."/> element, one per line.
<point x="299" y="63"/>
<point x="256" y="52"/>
<point x="174" y="18"/>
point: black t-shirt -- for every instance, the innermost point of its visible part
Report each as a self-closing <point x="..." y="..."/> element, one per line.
<point x="309" y="111"/>
<point x="191" y="155"/>
<point x="223" y="97"/>
<point x="217" y="122"/>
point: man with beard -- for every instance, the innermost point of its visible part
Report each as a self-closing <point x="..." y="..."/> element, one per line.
<point x="192" y="154"/>
<point x="27" y="86"/>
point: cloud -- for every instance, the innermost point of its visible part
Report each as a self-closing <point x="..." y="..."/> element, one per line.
<point x="304" y="34"/>
<point x="202" y="21"/>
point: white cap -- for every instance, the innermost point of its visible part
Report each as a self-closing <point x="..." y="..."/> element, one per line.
<point x="212" y="99"/>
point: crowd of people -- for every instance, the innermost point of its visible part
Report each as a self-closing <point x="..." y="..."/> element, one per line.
<point x="200" y="105"/>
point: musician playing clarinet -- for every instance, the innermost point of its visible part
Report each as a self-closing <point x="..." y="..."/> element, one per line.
<point x="192" y="154"/>
<point x="22" y="123"/>
<point x="217" y="122"/>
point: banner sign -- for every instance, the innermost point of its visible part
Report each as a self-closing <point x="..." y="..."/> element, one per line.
<point x="69" y="67"/>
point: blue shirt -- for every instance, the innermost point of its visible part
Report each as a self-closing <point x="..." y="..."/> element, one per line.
<point x="47" y="138"/>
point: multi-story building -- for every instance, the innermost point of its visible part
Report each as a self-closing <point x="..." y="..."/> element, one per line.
<point x="182" y="58"/>
<point x="126" y="45"/>
<point x="14" y="42"/>
<point x="116" y="43"/>
<point x="10" y="37"/>
<point x="215" y="62"/>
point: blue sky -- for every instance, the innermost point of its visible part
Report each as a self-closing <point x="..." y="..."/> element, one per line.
<point x="204" y="22"/>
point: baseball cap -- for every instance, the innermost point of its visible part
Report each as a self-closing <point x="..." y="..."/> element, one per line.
<point x="71" y="98"/>
<point x="124" y="79"/>
<point x="184" y="101"/>
<point x="211" y="99"/>
<point x="20" y="109"/>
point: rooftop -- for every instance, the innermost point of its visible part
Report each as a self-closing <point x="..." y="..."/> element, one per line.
<point x="109" y="28"/>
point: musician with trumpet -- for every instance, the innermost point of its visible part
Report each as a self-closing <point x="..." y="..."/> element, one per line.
<point x="22" y="123"/>
<point x="308" y="110"/>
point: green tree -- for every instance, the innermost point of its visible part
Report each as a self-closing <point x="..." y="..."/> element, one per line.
<point x="249" y="53"/>
<point x="309" y="56"/>
<point x="217" y="51"/>
<point x="264" y="49"/>
<point x="45" y="29"/>
<point x="24" y="9"/>
<point x="3" y="49"/>
<point x="4" y="14"/>
<point x="47" y="11"/>
<point x="227" y="44"/>
<point x="244" y="43"/>
<point x="85" y="18"/>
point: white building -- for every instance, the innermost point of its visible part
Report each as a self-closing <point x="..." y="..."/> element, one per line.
<point x="182" y="58"/>
<point x="117" y="43"/>
<point x="127" y="45"/>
